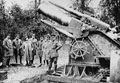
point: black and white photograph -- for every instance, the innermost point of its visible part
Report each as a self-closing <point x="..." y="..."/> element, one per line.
<point x="59" y="41"/>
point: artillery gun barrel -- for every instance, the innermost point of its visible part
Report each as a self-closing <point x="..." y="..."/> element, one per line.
<point x="93" y="20"/>
<point x="47" y="23"/>
<point x="53" y="12"/>
<point x="76" y="13"/>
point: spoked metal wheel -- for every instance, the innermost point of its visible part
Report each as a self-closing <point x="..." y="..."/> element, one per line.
<point x="78" y="49"/>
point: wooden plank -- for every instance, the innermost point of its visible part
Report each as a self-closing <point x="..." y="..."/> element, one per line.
<point x="66" y="79"/>
<point x="85" y="64"/>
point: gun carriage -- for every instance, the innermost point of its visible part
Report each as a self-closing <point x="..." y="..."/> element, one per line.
<point x="90" y="50"/>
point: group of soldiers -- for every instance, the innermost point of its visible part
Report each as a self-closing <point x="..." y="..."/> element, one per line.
<point x="46" y="47"/>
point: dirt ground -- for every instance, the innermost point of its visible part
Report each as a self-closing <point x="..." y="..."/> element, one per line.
<point x="18" y="73"/>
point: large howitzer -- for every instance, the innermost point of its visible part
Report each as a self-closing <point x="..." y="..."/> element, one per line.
<point x="90" y="50"/>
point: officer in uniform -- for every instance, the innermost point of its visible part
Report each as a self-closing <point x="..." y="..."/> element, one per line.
<point x="53" y="54"/>
<point x="39" y="50"/>
<point x="8" y="51"/>
<point x="17" y="43"/>
<point x="26" y="47"/>
<point x="46" y="49"/>
<point x="33" y="41"/>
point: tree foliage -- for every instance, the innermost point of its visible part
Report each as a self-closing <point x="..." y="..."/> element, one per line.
<point x="2" y="19"/>
<point x="22" y="22"/>
<point x="82" y="6"/>
<point x="111" y="11"/>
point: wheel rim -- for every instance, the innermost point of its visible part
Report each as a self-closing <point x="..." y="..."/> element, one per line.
<point x="79" y="49"/>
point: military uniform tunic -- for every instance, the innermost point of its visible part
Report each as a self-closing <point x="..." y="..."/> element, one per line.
<point x="33" y="43"/>
<point x="17" y="44"/>
<point x="39" y="51"/>
<point x="7" y="43"/>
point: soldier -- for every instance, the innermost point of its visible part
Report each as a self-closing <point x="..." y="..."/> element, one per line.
<point x="8" y="51"/>
<point x="17" y="43"/>
<point x="46" y="47"/>
<point x="26" y="46"/>
<point x="40" y="50"/>
<point x="53" y="54"/>
<point x="33" y="41"/>
<point x="49" y="46"/>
